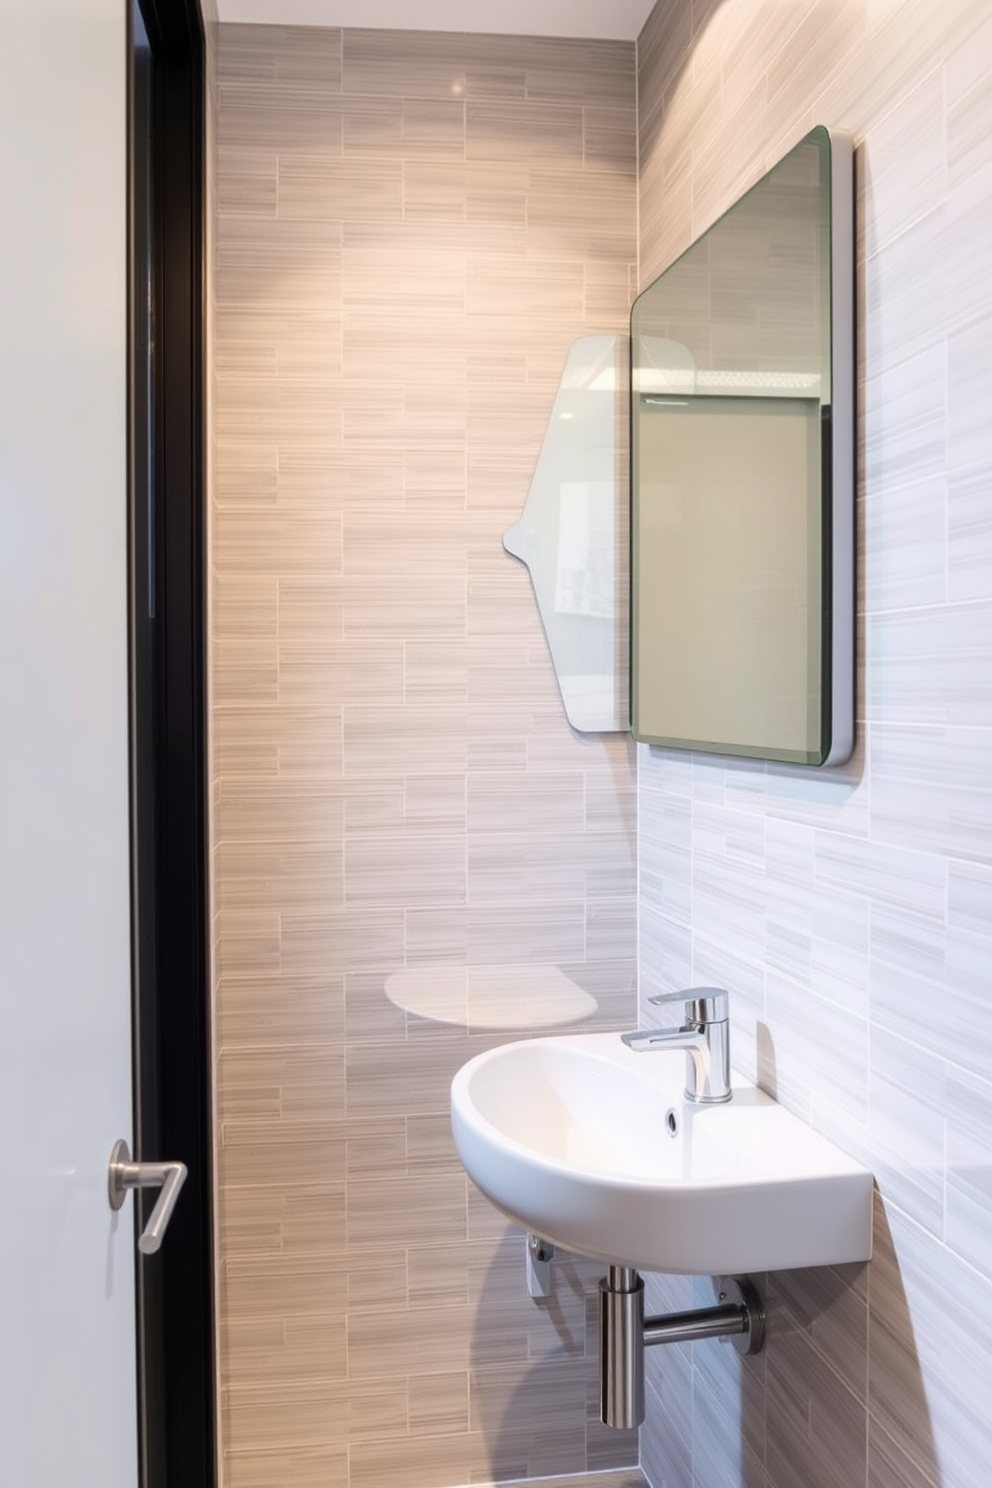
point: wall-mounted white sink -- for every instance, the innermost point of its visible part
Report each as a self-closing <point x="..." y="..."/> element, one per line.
<point x="595" y="1147"/>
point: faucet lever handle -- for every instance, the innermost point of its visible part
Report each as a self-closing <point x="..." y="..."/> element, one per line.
<point x="702" y="1004"/>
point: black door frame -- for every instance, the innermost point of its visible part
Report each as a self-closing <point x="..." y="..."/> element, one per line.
<point x="172" y="1087"/>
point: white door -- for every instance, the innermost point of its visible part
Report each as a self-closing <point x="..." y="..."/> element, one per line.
<point x="67" y="1345"/>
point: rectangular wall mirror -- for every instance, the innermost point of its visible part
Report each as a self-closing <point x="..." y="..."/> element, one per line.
<point x="742" y="475"/>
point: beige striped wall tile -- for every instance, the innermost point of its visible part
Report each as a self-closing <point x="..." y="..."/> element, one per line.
<point x="280" y="115"/>
<point x="493" y="478"/>
<point x="404" y="268"/>
<point x="484" y="1222"/>
<point x="403" y="64"/>
<point x="556" y="202"/>
<point x="286" y="337"/>
<point x="283" y="810"/>
<point x="290" y="54"/>
<point x="246" y="941"/>
<point x="604" y="79"/>
<point x="374" y="806"/>
<point x="428" y="542"/>
<point x="624" y="1478"/>
<point x="433" y="129"/>
<point x="459" y="191"/>
<point x="436" y="936"/>
<point x="265" y="742"/>
<point x="244" y="477"/>
<point x="610" y="140"/>
<point x="389" y="346"/>
<point x="280" y="1152"/>
<point x="530" y="132"/>
<point x="312" y="474"/>
<point x="303" y="1284"/>
<point x="235" y="52"/>
<point x="267" y="875"/>
<point x="379" y="341"/>
<point x="438" y="1275"/>
<point x="429" y="1143"/>
<point x="547" y="804"/>
<point x="422" y="1206"/>
<point x="411" y="1346"/>
<point x="310" y="55"/>
<point x="261" y="543"/>
<point x="377" y="1146"/>
<point x="270" y="262"/>
<point x="346" y="673"/>
<point x="312" y="609"/>
<point x="524" y="291"/>
<point x="498" y="1394"/>
<point x="310" y="1412"/>
<point x="515" y="931"/>
<point x="277" y="1010"/>
<point x="413" y="737"/>
<point x="246" y="671"/>
<point x="434" y="802"/>
<point x="263" y="1350"/>
<point x="426" y="1462"/>
<point x="369" y="1014"/>
<point x="438" y="1404"/>
<point x="434" y="479"/>
<point x="245" y="607"/>
<point x="508" y="1327"/>
<point x="414" y="1081"/>
<point x="394" y="418"/>
<point x="411" y="870"/>
<point x="293" y="1218"/>
<point x="312" y="187"/>
<point x="606" y="1446"/>
<point x="496" y="606"/>
<point x="372" y="127"/>
<point x="349" y="940"/>
<point x="439" y="670"/>
<point x="282" y="1083"/>
<point x="370" y="1414"/>
<point x="247" y="182"/>
<point x="303" y="1467"/>
<point x="496" y="870"/>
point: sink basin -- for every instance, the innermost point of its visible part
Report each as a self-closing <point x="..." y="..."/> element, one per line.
<point x="595" y="1147"/>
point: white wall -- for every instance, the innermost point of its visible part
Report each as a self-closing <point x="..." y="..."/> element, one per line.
<point x="67" y="1393"/>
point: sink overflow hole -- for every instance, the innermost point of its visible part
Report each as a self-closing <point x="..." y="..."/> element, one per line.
<point x="672" y="1122"/>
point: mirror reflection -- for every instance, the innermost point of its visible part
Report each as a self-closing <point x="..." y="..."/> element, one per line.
<point x="573" y="537"/>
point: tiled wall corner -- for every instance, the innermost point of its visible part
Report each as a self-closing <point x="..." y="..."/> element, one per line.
<point x="411" y="230"/>
<point x="851" y="912"/>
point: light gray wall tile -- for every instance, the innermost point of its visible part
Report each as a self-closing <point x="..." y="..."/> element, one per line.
<point x="852" y="924"/>
<point x="967" y="1102"/>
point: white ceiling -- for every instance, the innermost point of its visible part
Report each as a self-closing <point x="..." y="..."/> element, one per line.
<point x="620" y="20"/>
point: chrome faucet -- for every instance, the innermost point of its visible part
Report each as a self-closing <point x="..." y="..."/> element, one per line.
<point x="705" y="1037"/>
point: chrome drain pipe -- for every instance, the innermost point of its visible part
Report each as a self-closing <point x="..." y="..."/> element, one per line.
<point x="624" y="1333"/>
<point x="621" y="1348"/>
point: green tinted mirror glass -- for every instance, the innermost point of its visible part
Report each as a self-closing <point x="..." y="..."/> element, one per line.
<point x="742" y="475"/>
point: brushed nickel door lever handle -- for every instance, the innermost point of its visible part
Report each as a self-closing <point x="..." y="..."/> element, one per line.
<point x="123" y="1174"/>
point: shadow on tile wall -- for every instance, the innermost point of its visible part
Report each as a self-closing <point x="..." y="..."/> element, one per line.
<point x="534" y="1422"/>
<point x="795" y="1414"/>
